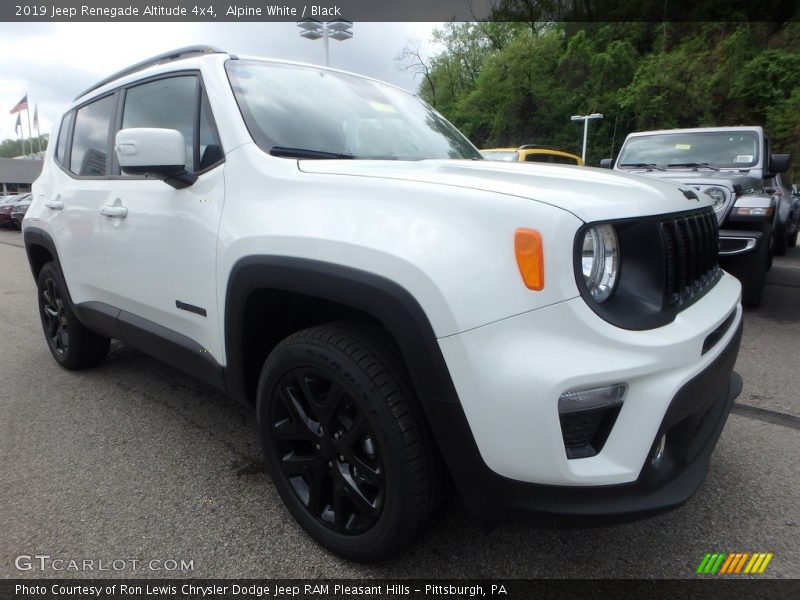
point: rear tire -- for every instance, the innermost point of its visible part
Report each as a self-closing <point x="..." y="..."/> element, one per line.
<point x="70" y="342"/>
<point x="346" y="444"/>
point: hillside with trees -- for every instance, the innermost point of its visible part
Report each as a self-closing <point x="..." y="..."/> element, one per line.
<point x="514" y="83"/>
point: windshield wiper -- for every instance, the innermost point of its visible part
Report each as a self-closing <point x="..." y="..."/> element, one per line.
<point x="694" y="165"/>
<point x="644" y="166"/>
<point x="282" y="151"/>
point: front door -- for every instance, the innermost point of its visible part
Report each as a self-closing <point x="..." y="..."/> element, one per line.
<point x="160" y="241"/>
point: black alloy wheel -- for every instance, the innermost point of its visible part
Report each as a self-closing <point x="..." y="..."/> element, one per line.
<point x="327" y="451"/>
<point x="54" y="321"/>
<point x="346" y="442"/>
<point x="70" y="342"/>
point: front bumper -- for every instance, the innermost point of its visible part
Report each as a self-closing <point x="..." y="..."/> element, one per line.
<point x="503" y="443"/>
<point x="692" y="425"/>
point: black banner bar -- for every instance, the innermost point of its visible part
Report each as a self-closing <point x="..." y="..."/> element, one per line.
<point x="708" y="588"/>
<point x="776" y="11"/>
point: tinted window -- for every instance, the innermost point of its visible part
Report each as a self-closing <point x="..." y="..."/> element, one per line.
<point x="165" y="103"/>
<point x="564" y="160"/>
<point x="90" y="140"/>
<point x="542" y="158"/>
<point x="63" y="132"/>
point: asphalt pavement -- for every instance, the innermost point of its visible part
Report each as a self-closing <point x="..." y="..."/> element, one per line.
<point x="134" y="461"/>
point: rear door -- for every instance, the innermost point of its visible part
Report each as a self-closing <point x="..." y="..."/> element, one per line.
<point x="79" y="189"/>
<point x="161" y="255"/>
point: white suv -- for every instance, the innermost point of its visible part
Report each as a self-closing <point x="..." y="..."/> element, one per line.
<point x="558" y="342"/>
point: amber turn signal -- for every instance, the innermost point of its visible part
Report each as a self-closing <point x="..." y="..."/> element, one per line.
<point x="530" y="257"/>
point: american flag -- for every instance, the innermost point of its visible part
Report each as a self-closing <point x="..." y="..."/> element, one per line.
<point x="21" y="105"/>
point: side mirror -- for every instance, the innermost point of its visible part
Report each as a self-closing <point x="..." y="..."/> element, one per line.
<point x="779" y="163"/>
<point x="157" y="152"/>
<point x="606" y="163"/>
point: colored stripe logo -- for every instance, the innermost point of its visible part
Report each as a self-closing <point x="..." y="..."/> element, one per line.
<point x="735" y="563"/>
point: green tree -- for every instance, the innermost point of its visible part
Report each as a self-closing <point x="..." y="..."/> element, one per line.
<point x="12" y="148"/>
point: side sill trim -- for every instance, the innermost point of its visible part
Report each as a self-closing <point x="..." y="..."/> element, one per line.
<point x="155" y="340"/>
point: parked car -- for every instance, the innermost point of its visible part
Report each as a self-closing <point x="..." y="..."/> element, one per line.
<point x="401" y="314"/>
<point x="6" y="206"/>
<point x="533" y="153"/>
<point x="735" y="167"/>
<point x="19" y="209"/>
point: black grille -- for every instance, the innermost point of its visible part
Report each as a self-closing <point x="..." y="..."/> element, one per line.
<point x="690" y="255"/>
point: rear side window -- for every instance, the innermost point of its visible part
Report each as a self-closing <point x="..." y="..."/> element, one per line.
<point x="63" y="132"/>
<point x="551" y="158"/>
<point x="564" y="160"/>
<point x="90" y="141"/>
<point x="542" y="158"/>
<point x="169" y="103"/>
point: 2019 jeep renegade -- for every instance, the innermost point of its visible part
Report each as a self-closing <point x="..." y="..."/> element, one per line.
<point x="558" y="342"/>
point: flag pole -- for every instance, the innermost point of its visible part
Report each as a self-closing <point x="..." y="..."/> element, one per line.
<point x="38" y="133"/>
<point x="22" y="134"/>
<point x="20" y="131"/>
<point x="30" y="133"/>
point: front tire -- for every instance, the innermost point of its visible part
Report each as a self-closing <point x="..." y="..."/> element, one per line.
<point x="70" y="342"/>
<point x="751" y="270"/>
<point x="781" y="241"/>
<point x="345" y="443"/>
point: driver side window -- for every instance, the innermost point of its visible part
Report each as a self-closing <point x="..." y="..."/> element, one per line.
<point x="176" y="103"/>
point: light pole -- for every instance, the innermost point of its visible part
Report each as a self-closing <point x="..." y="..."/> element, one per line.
<point x="338" y="30"/>
<point x="585" y="119"/>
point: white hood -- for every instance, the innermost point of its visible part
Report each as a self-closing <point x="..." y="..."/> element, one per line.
<point x="590" y="194"/>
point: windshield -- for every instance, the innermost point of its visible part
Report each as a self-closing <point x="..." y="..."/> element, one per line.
<point x="724" y="149"/>
<point x="327" y="114"/>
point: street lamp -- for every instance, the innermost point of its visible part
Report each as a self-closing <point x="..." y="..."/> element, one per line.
<point x="338" y="30"/>
<point x="585" y="119"/>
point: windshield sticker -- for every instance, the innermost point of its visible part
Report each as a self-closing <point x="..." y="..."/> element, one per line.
<point x="744" y="158"/>
<point x="382" y="107"/>
<point x="683" y="146"/>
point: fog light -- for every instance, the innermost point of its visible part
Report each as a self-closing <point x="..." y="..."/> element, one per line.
<point x="658" y="455"/>
<point x="587" y="417"/>
<point x="592" y="399"/>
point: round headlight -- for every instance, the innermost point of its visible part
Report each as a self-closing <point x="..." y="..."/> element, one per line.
<point x="717" y="196"/>
<point x="600" y="261"/>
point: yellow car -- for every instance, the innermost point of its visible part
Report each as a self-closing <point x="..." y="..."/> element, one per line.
<point x="532" y="153"/>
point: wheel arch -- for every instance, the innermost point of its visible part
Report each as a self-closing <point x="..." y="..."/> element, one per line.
<point x="40" y="248"/>
<point x="369" y="295"/>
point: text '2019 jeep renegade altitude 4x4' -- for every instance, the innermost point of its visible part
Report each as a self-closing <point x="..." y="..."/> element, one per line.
<point x="402" y="314"/>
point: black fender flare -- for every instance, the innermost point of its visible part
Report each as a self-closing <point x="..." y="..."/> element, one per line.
<point x="368" y="292"/>
<point x="36" y="236"/>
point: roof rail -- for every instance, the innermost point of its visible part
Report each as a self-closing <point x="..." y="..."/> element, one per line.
<point x="155" y="60"/>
